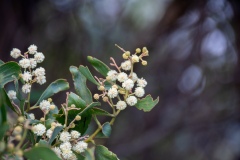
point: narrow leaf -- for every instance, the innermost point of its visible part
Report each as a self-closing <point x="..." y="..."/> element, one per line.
<point x="80" y="84"/>
<point x="76" y="100"/>
<point x="100" y="112"/>
<point x="99" y="65"/>
<point x="89" y="107"/>
<point x="53" y="88"/>
<point x="1" y="62"/>
<point x="3" y="129"/>
<point x="19" y="96"/>
<point x="4" y="103"/>
<point x="55" y="133"/>
<point x="90" y="154"/>
<point x="86" y="72"/>
<point x="41" y="153"/>
<point x="8" y="71"/>
<point x="146" y="104"/>
<point x="106" y="129"/>
<point x="102" y="153"/>
<point x="43" y="143"/>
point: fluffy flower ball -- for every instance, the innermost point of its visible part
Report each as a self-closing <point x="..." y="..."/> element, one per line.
<point x="24" y="63"/>
<point x="39" y="57"/>
<point x="80" y="147"/>
<point x="26" y="88"/>
<point x="141" y="82"/>
<point x="121" y="105"/>
<point x="49" y="133"/>
<point x="112" y="93"/>
<point x="12" y="94"/>
<point x="128" y="84"/>
<point x="57" y="151"/>
<point x="139" y="91"/>
<point x="39" y="129"/>
<point x="41" y="80"/>
<point x="134" y="77"/>
<point x="33" y="62"/>
<point x="26" y="76"/>
<point x="15" y="53"/>
<point x="126" y="65"/>
<point x="32" y="49"/>
<point x="66" y="146"/>
<point x="45" y="105"/>
<point x="131" y="100"/>
<point x="32" y="116"/>
<point x="65" y="136"/>
<point x="75" y="134"/>
<point x="112" y="75"/>
<point x="122" y="77"/>
<point x="135" y="58"/>
<point x="39" y="72"/>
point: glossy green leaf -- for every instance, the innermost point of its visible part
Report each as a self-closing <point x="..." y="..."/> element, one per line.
<point x="55" y="133"/>
<point x="31" y="137"/>
<point x="89" y="154"/>
<point x="3" y="129"/>
<point x="41" y="152"/>
<point x="99" y="65"/>
<point x="51" y="113"/>
<point x="76" y="100"/>
<point x="1" y="62"/>
<point x="4" y="104"/>
<point x="100" y="112"/>
<point x="53" y="88"/>
<point x="89" y="107"/>
<point x="106" y="129"/>
<point x="86" y="72"/>
<point x="43" y="143"/>
<point x="8" y="71"/>
<point x="48" y="123"/>
<point x="102" y="153"/>
<point x="19" y="96"/>
<point x="79" y="156"/>
<point x="80" y="84"/>
<point x="146" y="104"/>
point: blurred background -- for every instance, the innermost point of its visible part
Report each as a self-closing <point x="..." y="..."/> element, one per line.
<point x="193" y="66"/>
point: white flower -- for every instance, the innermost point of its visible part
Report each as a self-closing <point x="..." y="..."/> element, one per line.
<point x="49" y="133"/>
<point x="24" y="63"/>
<point x="80" y="147"/>
<point x="33" y="63"/>
<point x="39" y="57"/>
<point x="41" y="79"/>
<point x="121" y="105"/>
<point x="112" y="75"/>
<point x="112" y="93"/>
<point x="141" y="82"/>
<point x="128" y="84"/>
<point x="32" y="116"/>
<point x="65" y="136"/>
<point x="26" y="76"/>
<point x="75" y="134"/>
<point x="66" y="146"/>
<point x="39" y="129"/>
<point x="39" y="71"/>
<point x="45" y="105"/>
<point x="12" y="94"/>
<point x="139" y="91"/>
<point x="32" y="49"/>
<point x="131" y="100"/>
<point x="134" y="77"/>
<point x="122" y="77"/>
<point x="15" y="53"/>
<point x="135" y="58"/>
<point x="26" y="88"/>
<point x="67" y="154"/>
<point x="126" y="65"/>
<point x="57" y="151"/>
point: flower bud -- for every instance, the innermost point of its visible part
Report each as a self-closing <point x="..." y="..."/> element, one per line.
<point x="78" y="118"/>
<point x="138" y="50"/>
<point x="21" y="119"/>
<point x="18" y="153"/>
<point x="52" y="107"/>
<point x="121" y="91"/>
<point x="36" y="144"/>
<point x="42" y="119"/>
<point x="73" y="106"/>
<point x="124" y="56"/>
<point x="135" y="58"/>
<point x="50" y="100"/>
<point x="18" y="137"/>
<point x="144" y="63"/>
<point x="17" y="130"/>
<point x="105" y="99"/>
<point x="53" y="127"/>
<point x="53" y="124"/>
<point x="144" y="49"/>
<point x="101" y="88"/>
<point x="96" y="96"/>
<point x="115" y="86"/>
<point x="10" y="146"/>
<point x="72" y="125"/>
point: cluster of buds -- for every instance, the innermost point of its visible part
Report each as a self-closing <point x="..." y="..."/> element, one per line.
<point x="124" y="81"/>
<point x="31" y="74"/>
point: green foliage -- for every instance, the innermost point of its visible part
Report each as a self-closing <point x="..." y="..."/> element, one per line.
<point x="56" y="131"/>
<point x="146" y="104"/>
<point x="99" y="65"/>
<point x="85" y="71"/>
<point x="8" y="71"/>
<point x="106" y="129"/>
<point x="102" y="153"/>
<point x="41" y="152"/>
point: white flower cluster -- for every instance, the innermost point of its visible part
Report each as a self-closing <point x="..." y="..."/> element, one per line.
<point x="39" y="129"/>
<point x="70" y="144"/>
<point x="30" y="76"/>
<point x="127" y="84"/>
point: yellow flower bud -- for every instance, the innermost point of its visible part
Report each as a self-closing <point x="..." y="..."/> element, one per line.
<point x="10" y="146"/>
<point x="17" y="130"/>
<point x="124" y="56"/>
<point x="72" y="125"/>
<point x="42" y="119"/>
<point x="53" y="127"/>
<point x="50" y="100"/>
<point x="52" y="107"/>
<point x="144" y="49"/>
<point x="21" y="119"/>
<point x="101" y="88"/>
<point x="135" y="58"/>
<point x="18" y="137"/>
<point x="18" y="153"/>
<point x="36" y="144"/>
<point x="73" y="106"/>
<point x="115" y="86"/>
<point x="96" y="96"/>
<point x="127" y="53"/>
<point x="121" y="91"/>
<point x="78" y="118"/>
<point x="105" y="99"/>
<point x="53" y="124"/>
<point x="138" y="50"/>
<point x="144" y="63"/>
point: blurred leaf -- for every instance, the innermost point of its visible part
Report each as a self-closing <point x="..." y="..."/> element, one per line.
<point x="8" y="71"/>
<point x="75" y="99"/>
<point x="52" y="112"/>
<point x="100" y="112"/>
<point x="1" y="62"/>
<point x="100" y="135"/>
<point x="106" y="129"/>
<point x="80" y="84"/>
<point x="99" y="65"/>
<point x="48" y="123"/>
<point x="19" y="96"/>
<point x="146" y="104"/>
<point x="102" y="153"/>
<point x="55" y="133"/>
<point x="53" y="88"/>
<point x="4" y="103"/>
<point x="3" y="128"/>
<point x="30" y="136"/>
<point x="43" y="143"/>
<point x="79" y="156"/>
<point x="85" y="71"/>
<point x="89" y="154"/>
<point x="43" y="153"/>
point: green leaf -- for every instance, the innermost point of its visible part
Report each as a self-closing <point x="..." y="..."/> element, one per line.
<point x="19" y="96"/>
<point x="30" y="136"/>
<point x="43" y="143"/>
<point x="100" y="112"/>
<point x="48" y="123"/>
<point x="102" y="153"/>
<point x="51" y="113"/>
<point x="3" y="129"/>
<point x="76" y="100"/>
<point x="85" y="71"/>
<point x="79" y="156"/>
<point x="106" y="129"/>
<point x="146" y="104"/>
<point x="80" y="84"/>
<point x="99" y="65"/>
<point x="53" y="88"/>
<point x="89" y="107"/>
<point x="1" y="62"/>
<point x="55" y="133"/>
<point x="90" y="154"/>
<point x="8" y="71"/>
<point x="41" y="152"/>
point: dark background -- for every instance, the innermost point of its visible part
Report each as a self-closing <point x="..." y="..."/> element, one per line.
<point x="193" y="66"/>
